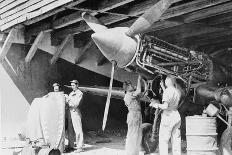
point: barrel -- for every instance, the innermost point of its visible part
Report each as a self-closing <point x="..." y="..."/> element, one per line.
<point x="201" y="135"/>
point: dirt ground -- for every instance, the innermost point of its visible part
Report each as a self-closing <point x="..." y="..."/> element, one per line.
<point x="96" y="143"/>
<point x="108" y="143"/>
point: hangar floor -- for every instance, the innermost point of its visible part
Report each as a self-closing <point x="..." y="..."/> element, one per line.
<point x="96" y="143"/>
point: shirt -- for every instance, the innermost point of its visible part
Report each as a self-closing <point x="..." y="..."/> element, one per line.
<point x="75" y="98"/>
<point x="171" y="95"/>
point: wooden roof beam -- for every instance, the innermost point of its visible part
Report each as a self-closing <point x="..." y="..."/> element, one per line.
<point x="139" y="9"/>
<point x="34" y="47"/>
<point x="75" y="17"/>
<point x="7" y="44"/>
<point x="60" y="49"/>
<point x="215" y="53"/>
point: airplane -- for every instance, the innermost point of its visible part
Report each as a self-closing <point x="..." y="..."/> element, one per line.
<point x="151" y="57"/>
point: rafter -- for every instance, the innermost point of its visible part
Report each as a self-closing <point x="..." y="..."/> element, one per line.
<point x="34" y="47"/>
<point x="215" y="53"/>
<point x="76" y="17"/>
<point x="60" y="49"/>
<point x="7" y="44"/>
<point x="140" y="8"/>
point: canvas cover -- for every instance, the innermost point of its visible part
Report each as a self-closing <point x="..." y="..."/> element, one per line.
<point x="46" y="119"/>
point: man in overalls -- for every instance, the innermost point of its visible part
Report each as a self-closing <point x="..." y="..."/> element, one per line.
<point x="170" y="119"/>
<point x="74" y="99"/>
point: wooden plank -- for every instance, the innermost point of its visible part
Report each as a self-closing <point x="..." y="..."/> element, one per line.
<point x="76" y="17"/>
<point x="50" y="13"/>
<point x="140" y="8"/>
<point x="215" y="53"/>
<point x="190" y="7"/>
<point x="209" y="12"/>
<point x="60" y="49"/>
<point x="23" y="12"/>
<point x="34" y="47"/>
<point x="5" y="3"/>
<point x="47" y="8"/>
<point x="211" y="38"/>
<point x="35" y="13"/>
<point x="12" y="5"/>
<point x="3" y="37"/>
<point x="19" y="8"/>
<point x="7" y="44"/>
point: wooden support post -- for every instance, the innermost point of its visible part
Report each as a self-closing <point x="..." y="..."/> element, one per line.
<point x="34" y="47"/>
<point x="60" y="49"/>
<point x="7" y="44"/>
<point x="81" y="55"/>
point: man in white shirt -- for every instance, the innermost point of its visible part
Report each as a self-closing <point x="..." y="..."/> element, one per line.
<point x="170" y="120"/>
<point x="74" y="99"/>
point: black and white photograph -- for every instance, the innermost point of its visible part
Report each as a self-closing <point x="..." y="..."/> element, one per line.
<point x="115" y="77"/>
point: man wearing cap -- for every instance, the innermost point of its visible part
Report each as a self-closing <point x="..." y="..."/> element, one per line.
<point x="56" y="88"/>
<point x="74" y="99"/>
<point x="170" y="119"/>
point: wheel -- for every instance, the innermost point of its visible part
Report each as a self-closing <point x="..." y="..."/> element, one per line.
<point x="148" y="145"/>
<point x="226" y="142"/>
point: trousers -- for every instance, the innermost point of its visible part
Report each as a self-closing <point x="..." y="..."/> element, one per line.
<point x="170" y="128"/>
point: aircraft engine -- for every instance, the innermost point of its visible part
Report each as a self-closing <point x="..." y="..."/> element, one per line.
<point x="156" y="56"/>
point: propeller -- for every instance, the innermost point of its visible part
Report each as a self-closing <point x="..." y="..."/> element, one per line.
<point x="108" y="97"/>
<point x="95" y="24"/>
<point x="149" y="17"/>
<point x="116" y="51"/>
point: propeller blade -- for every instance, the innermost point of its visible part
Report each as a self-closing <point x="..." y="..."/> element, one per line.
<point x="152" y="15"/>
<point x="93" y="22"/>
<point x="108" y="97"/>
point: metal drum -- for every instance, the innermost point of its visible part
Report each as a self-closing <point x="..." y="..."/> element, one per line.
<point x="201" y="135"/>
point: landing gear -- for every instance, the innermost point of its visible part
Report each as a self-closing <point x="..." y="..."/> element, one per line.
<point x="150" y="138"/>
<point x="149" y="145"/>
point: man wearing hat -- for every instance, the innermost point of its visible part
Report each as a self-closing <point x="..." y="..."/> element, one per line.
<point x="56" y="87"/>
<point x="74" y="99"/>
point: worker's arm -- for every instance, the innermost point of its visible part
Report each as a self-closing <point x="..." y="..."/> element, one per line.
<point x="138" y="88"/>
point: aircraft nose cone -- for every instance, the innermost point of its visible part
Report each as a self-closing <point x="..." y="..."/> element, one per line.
<point x="116" y="45"/>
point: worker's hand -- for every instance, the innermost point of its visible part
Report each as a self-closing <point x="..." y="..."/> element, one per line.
<point x="154" y="104"/>
<point x="162" y="84"/>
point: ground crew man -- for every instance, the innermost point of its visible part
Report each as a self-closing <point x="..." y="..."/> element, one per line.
<point x="170" y="119"/>
<point x="56" y="87"/>
<point x="74" y="99"/>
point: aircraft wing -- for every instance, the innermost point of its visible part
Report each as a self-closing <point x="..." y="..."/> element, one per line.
<point x="117" y="93"/>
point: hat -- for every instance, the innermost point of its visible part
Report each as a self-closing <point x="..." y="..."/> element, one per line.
<point x="55" y="84"/>
<point x="75" y="81"/>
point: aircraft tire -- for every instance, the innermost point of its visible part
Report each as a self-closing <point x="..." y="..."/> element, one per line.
<point x="148" y="145"/>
